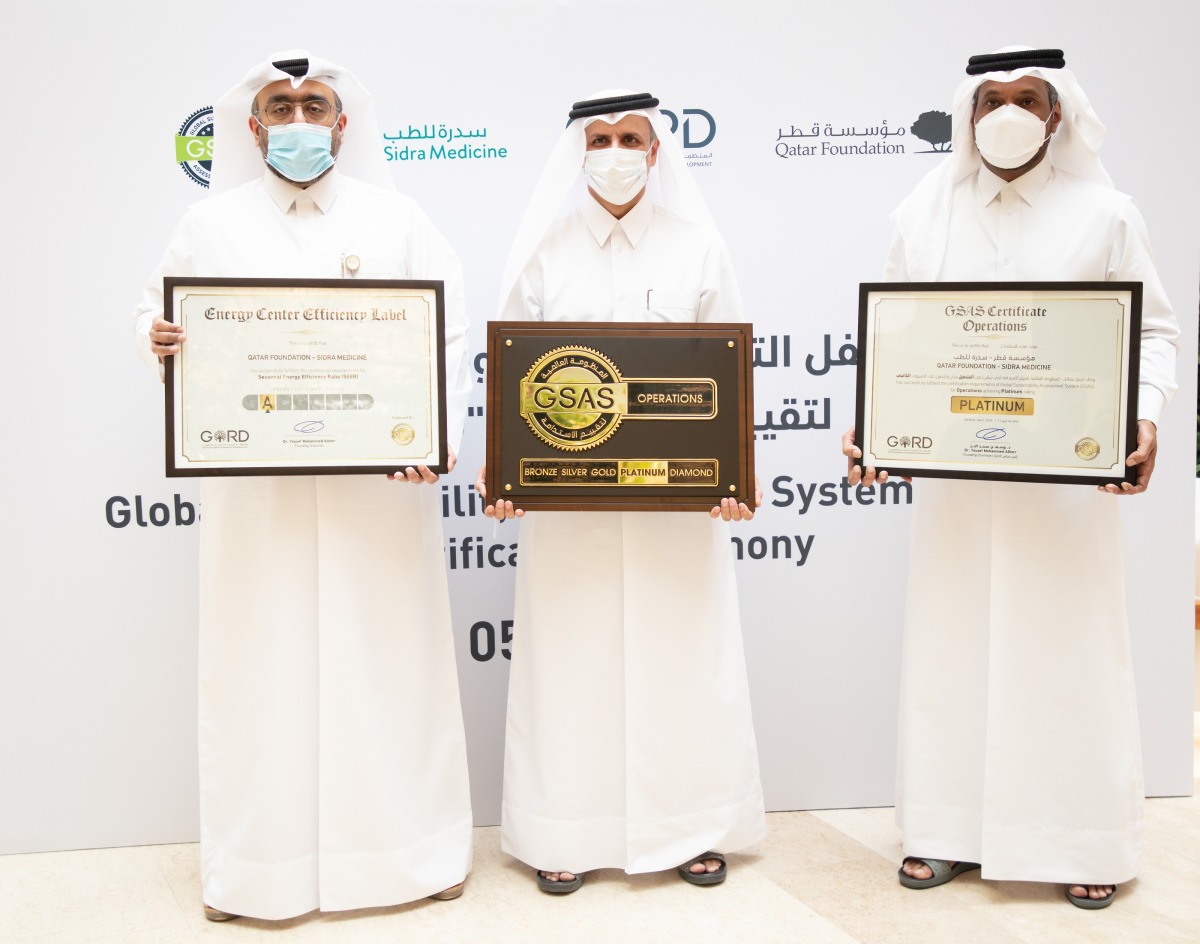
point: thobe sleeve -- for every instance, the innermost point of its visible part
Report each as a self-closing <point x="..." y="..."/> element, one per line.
<point x="896" y="267"/>
<point x="1132" y="261"/>
<point x="430" y="256"/>
<point x="177" y="260"/>
<point x="721" y="299"/>
<point x="526" y="300"/>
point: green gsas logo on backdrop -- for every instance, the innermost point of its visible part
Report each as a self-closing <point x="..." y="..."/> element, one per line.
<point x="193" y="146"/>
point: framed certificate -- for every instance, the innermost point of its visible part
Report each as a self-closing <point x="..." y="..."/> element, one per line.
<point x="621" y="416"/>
<point x="305" y="376"/>
<point x="1012" y="381"/>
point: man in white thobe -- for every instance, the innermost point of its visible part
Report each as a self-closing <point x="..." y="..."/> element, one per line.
<point x="333" y="768"/>
<point x="629" y="741"/>
<point x="1019" y="741"/>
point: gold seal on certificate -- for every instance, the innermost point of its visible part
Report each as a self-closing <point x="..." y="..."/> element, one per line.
<point x="313" y="376"/>
<point x="1014" y="381"/>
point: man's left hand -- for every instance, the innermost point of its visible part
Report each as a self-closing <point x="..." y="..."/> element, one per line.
<point x="732" y="510"/>
<point x="1143" y="457"/>
<point x="422" y="474"/>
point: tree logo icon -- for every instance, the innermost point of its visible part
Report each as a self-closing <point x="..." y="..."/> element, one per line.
<point x="934" y="127"/>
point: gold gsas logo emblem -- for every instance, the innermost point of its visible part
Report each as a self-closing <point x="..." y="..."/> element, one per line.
<point x="573" y="398"/>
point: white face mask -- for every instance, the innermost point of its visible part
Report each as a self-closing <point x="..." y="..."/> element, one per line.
<point x="616" y="174"/>
<point x="1009" y="137"/>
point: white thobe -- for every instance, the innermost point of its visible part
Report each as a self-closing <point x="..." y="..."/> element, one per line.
<point x="629" y="739"/>
<point x="333" y="768"/>
<point x="1018" y="722"/>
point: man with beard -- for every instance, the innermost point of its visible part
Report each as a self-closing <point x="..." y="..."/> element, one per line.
<point x="1018" y="743"/>
<point x="333" y="768"/>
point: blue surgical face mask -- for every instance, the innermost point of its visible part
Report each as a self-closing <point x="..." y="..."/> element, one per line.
<point x="301" y="152"/>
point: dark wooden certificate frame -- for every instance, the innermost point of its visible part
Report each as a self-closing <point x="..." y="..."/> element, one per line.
<point x="1001" y="348"/>
<point x="324" y="456"/>
<point x="699" y="374"/>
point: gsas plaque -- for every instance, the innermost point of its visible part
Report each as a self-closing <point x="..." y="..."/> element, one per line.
<point x="619" y="416"/>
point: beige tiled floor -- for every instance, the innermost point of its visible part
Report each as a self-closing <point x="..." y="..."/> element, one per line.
<point x="824" y="877"/>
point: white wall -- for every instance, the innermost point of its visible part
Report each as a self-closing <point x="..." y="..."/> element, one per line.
<point x="97" y="647"/>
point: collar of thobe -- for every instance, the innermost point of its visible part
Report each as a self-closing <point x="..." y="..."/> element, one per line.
<point x="1027" y="186"/>
<point x="602" y="223"/>
<point x="284" y="193"/>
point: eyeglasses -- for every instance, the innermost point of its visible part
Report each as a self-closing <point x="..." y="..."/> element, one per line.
<point x="313" y="110"/>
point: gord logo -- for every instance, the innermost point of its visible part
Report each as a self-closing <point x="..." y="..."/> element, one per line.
<point x="699" y="127"/>
<point x="193" y="146"/>
<point x="224" y="436"/>
<point x="910" y="442"/>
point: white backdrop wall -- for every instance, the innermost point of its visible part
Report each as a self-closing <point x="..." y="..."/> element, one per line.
<point x="97" y="649"/>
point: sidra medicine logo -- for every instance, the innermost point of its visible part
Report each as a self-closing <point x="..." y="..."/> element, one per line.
<point x="193" y="146"/>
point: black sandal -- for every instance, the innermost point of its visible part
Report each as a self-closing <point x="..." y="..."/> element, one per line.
<point x="558" y="888"/>
<point x="703" y="878"/>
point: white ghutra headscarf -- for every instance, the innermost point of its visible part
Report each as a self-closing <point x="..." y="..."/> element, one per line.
<point x="673" y="187"/>
<point x="236" y="157"/>
<point x="925" y="214"/>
